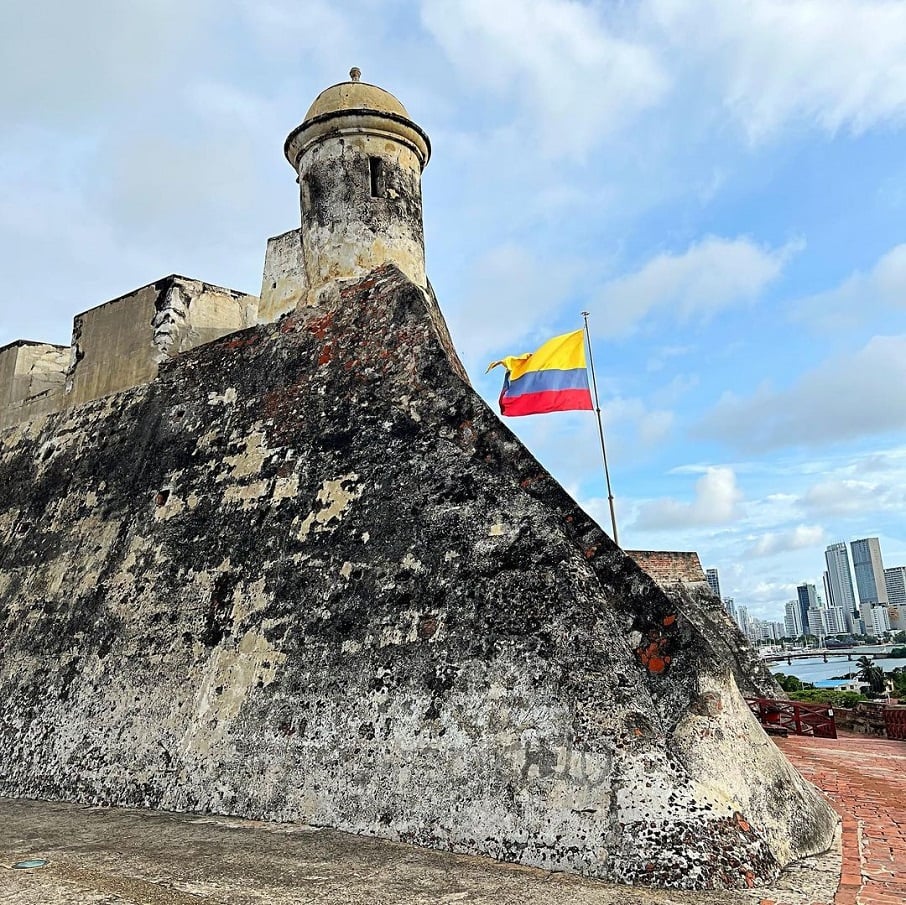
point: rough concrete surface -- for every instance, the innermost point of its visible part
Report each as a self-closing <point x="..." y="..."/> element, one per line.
<point x="101" y="856"/>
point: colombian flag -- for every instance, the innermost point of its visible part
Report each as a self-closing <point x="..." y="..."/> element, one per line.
<point x="552" y="379"/>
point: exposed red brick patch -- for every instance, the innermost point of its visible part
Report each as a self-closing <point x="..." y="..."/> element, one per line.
<point x="320" y="326"/>
<point x="669" y="566"/>
<point x="654" y="656"/>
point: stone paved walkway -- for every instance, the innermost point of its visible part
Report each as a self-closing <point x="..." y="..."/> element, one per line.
<point x="865" y="779"/>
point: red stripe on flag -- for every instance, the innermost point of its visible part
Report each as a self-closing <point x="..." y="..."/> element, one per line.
<point x="546" y="401"/>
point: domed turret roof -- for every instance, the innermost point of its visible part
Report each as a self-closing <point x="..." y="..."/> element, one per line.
<point x="351" y="107"/>
<point x="355" y="95"/>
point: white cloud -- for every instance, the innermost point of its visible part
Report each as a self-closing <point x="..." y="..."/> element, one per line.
<point x="512" y="300"/>
<point x="851" y="395"/>
<point x="716" y="502"/>
<point x="634" y="425"/>
<point x="835" y="63"/>
<point x="852" y="497"/>
<point x="861" y="295"/>
<point x="799" y="538"/>
<point x="59" y="60"/>
<point x="708" y="277"/>
<point x="570" y="78"/>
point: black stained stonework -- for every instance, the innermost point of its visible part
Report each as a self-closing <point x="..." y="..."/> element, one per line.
<point x="307" y="574"/>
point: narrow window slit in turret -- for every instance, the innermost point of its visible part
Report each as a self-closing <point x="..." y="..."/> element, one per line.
<point x="376" y="171"/>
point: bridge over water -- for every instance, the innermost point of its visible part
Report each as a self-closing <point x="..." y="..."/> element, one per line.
<point x="874" y="652"/>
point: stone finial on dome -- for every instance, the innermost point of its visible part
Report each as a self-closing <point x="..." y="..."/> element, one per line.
<point x="355" y="73"/>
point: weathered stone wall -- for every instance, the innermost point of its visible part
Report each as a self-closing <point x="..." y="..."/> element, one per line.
<point x="283" y="283"/>
<point x="121" y="344"/>
<point x="680" y="575"/>
<point x="32" y="380"/>
<point x="307" y="574"/>
<point x="118" y="345"/>
<point x="349" y="225"/>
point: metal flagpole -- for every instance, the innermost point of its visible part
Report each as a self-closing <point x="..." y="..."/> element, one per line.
<point x="594" y="383"/>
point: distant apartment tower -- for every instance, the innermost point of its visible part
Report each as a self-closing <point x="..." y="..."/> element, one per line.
<point x="874" y="620"/>
<point x="742" y="619"/>
<point x="869" y="569"/>
<point x="808" y="600"/>
<point x="792" y="621"/>
<point x="762" y="630"/>
<point x="839" y="581"/>
<point x="730" y="607"/>
<point x="835" y="620"/>
<point x="713" y="581"/>
<point x="895" y="582"/>
<point x="825" y="621"/>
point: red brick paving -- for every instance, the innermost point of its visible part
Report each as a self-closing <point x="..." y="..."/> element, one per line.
<point x="865" y="779"/>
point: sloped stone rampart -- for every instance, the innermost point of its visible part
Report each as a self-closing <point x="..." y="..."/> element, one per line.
<point x="307" y="574"/>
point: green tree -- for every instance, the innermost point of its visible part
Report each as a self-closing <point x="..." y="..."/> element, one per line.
<point x="865" y="664"/>
<point x="876" y="679"/>
<point x="899" y="682"/>
<point x="788" y="683"/>
<point x="828" y="696"/>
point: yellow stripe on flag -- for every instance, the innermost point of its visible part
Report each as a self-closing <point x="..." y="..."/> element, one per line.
<point x="563" y="353"/>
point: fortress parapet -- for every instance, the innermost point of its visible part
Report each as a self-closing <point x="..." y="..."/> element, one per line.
<point x="118" y="345"/>
<point x="32" y="379"/>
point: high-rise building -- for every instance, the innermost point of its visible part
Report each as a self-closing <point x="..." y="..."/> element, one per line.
<point x="840" y="583"/>
<point x="792" y="622"/>
<point x="835" y="620"/>
<point x="881" y="620"/>
<point x="895" y="582"/>
<point x="760" y="630"/>
<point x="742" y="619"/>
<point x="869" y="569"/>
<point x="730" y="607"/>
<point x="875" y="620"/>
<point x="713" y="581"/>
<point x="808" y="600"/>
<point x="818" y="623"/>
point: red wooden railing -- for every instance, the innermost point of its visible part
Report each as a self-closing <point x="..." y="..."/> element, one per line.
<point x="895" y="722"/>
<point x="795" y="716"/>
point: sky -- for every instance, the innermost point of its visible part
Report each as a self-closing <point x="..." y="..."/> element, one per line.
<point x="721" y="185"/>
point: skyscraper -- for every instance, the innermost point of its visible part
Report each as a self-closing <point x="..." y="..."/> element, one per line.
<point x="808" y="600"/>
<point x="730" y="607"/>
<point x="713" y="581"/>
<point x="895" y="581"/>
<point x="840" y="583"/>
<point x="869" y="570"/>
<point x="792" y="622"/>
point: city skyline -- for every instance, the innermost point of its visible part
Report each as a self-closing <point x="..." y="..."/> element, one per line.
<point x="855" y="577"/>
